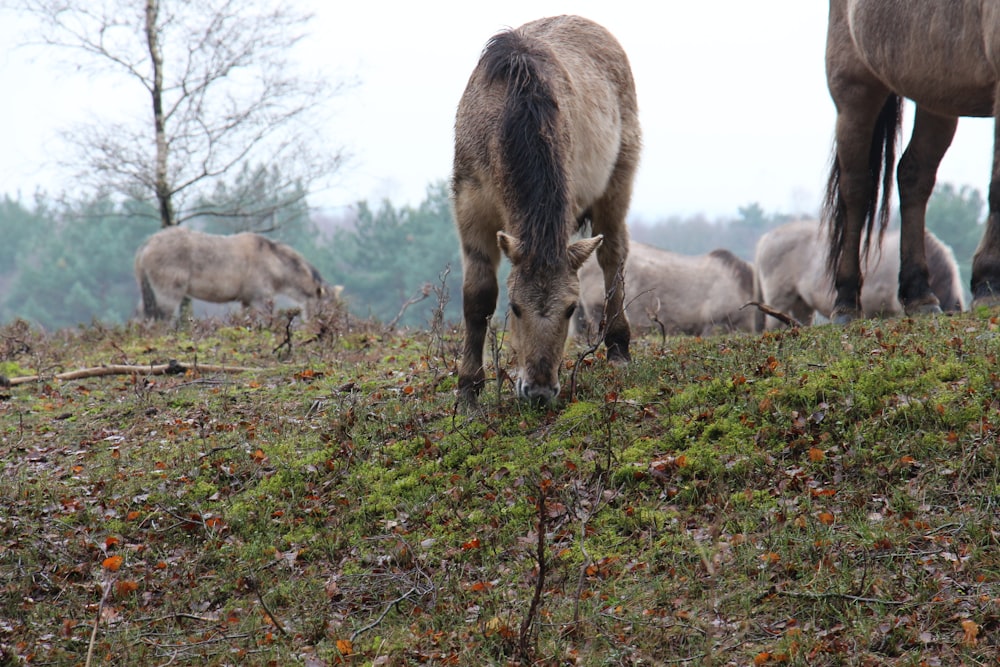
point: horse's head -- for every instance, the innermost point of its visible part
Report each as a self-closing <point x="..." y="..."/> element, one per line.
<point x="541" y="305"/>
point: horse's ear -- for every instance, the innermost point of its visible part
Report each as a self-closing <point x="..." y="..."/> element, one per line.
<point x="582" y="249"/>
<point x="510" y="247"/>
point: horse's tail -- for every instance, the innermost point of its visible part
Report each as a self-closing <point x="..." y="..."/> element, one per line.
<point x="149" y="308"/>
<point x="881" y="159"/>
<point x="534" y="178"/>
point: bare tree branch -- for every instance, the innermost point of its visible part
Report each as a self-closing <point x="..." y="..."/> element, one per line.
<point x="220" y="81"/>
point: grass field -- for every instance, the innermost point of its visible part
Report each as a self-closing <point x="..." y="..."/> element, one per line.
<point x="825" y="496"/>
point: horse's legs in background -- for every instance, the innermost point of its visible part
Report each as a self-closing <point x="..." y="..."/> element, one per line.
<point x="479" y="301"/>
<point x="986" y="261"/>
<point x="916" y="175"/>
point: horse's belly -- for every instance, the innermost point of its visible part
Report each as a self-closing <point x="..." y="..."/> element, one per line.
<point x="215" y="287"/>
<point x="935" y="53"/>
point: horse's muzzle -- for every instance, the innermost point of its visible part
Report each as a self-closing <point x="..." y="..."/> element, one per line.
<point x="536" y="393"/>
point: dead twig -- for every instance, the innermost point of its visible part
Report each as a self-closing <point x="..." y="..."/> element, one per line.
<point x="784" y="318"/>
<point x="290" y="316"/>
<point x="524" y="639"/>
<point x="108" y="585"/>
<point x="172" y="368"/>
<point x="424" y="292"/>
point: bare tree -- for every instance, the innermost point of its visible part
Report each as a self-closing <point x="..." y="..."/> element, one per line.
<point x="222" y="93"/>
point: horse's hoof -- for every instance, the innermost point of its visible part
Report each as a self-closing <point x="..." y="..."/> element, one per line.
<point x="988" y="301"/>
<point x="925" y="309"/>
<point x="618" y="362"/>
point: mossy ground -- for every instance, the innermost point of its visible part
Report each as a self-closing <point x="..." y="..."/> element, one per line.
<point x="824" y="496"/>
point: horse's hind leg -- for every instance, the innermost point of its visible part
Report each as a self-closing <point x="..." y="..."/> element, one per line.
<point x="916" y="175"/>
<point x="609" y="220"/>
<point x="986" y="261"/>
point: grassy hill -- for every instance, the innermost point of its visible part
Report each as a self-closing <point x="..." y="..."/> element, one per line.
<point x="826" y="496"/>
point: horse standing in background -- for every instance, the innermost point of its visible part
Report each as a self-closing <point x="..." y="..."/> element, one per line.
<point x="697" y="295"/>
<point x="790" y="275"/>
<point x="546" y="137"/>
<point x="177" y="262"/>
<point x="945" y="56"/>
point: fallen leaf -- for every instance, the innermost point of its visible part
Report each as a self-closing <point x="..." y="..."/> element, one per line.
<point x="970" y="632"/>
<point x="112" y="563"/>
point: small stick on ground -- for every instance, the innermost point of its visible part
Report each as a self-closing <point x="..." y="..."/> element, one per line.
<point x="784" y="318"/>
<point x="172" y="368"/>
<point x="108" y="585"/>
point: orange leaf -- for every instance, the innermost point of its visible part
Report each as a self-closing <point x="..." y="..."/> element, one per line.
<point x="345" y="646"/>
<point x="125" y="587"/>
<point x="111" y="541"/>
<point x="112" y="563"/>
<point x="471" y="544"/>
<point x="825" y="518"/>
<point x="816" y="455"/>
<point x="407" y="390"/>
<point x="132" y="516"/>
<point x="762" y="658"/>
<point x="970" y="632"/>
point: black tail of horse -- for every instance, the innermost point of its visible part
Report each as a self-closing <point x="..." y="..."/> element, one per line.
<point x="881" y="161"/>
<point x="530" y="147"/>
<point x="149" y="308"/>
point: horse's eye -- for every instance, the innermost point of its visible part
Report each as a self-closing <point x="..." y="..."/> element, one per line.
<point x="570" y="311"/>
<point x="516" y="309"/>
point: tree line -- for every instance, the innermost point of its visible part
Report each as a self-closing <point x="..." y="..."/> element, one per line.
<point x="63" y="264"/>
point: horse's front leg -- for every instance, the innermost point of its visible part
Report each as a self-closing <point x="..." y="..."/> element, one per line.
<point x="479" y="301"/>
<point x="916" y="175"/>
<point x="986" y="261"/>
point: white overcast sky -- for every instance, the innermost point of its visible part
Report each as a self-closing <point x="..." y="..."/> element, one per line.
<point x="732" y="96"/>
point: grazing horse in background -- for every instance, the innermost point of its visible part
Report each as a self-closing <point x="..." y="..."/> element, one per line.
<point x="546" y="138"/>
<point x="177" y="262"/>
<point x="943" y="55"/>
<point x="697" y="295"/>
<point x="790" y="275"/>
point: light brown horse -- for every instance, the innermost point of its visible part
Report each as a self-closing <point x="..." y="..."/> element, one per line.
<point x="790" y="275"/>
<point x="697" y="295"/>
<point x="943" y="55"/>
<point x="177" y="262"/>
<point x="546" y="137"/>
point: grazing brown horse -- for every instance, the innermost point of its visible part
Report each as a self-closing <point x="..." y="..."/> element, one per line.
<point x="177" y="262"/>
<point x="790" y="276"/>
<point x="943" y="55"/>
<point x="697" y="295"/>
<point x="546" y="138"/>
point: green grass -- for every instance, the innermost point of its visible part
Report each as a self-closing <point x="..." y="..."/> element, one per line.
<point x="824" y="496"/>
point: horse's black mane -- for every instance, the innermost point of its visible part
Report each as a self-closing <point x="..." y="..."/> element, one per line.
<point x="534" y="176"/>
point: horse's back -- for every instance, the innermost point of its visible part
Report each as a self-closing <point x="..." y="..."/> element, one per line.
<point x="690" y="294"/>
<point x="917" y="47"/>
<point x="589" y="76"/>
